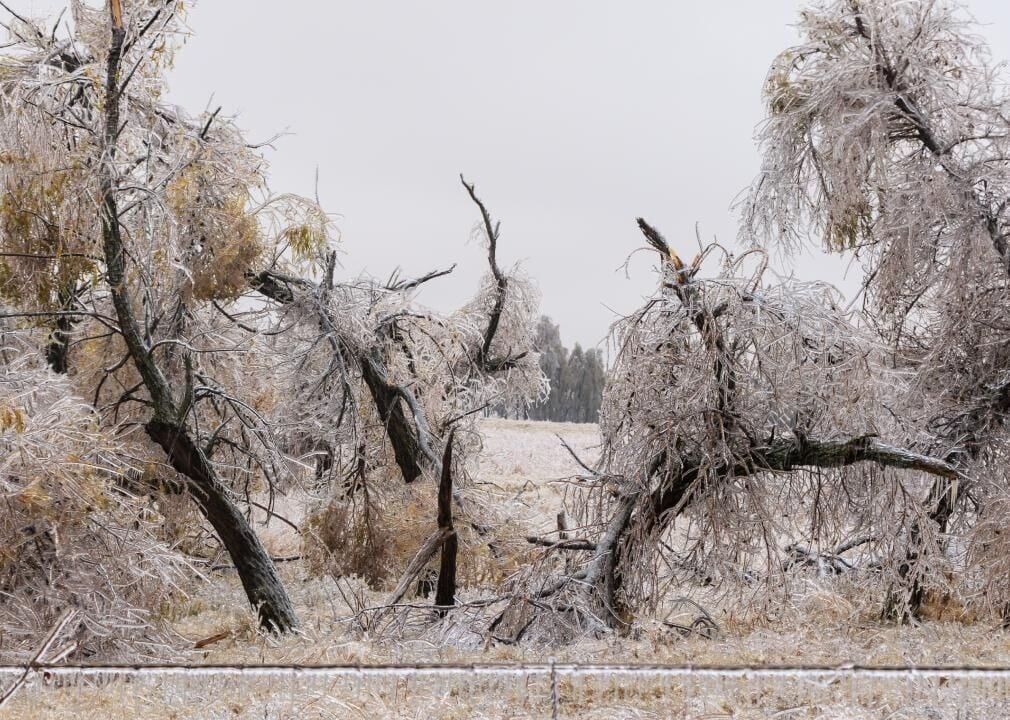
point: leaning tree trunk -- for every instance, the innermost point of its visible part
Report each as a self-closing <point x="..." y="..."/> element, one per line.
<point x="649" y="515"/>
<point x="402" y="435"/>
<point x="255" y="568"/>
<point x="406" y="427"/>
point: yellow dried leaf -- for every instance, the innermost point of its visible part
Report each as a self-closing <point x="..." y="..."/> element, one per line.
<point x="34" y="496"/>
<point x="12" y="418"/>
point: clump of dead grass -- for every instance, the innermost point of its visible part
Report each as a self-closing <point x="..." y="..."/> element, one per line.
<point x="374" y="535"/>
<point x="339" y="540"/>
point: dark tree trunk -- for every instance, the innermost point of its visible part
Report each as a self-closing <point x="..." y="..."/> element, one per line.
<point x="59" y="346"/>
<point x="665" y="504"/>
<point x="324" y="463"/>
<point x="445" y="593"/>
<point x="905" y="597"/>
<point x="58" y="349"/>
<point x="255" y="568"/>
<point x="402" y="434"/>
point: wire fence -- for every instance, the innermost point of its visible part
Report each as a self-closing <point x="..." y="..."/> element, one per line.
<point x="541" y="689"/>
<point x="947" y="672"/>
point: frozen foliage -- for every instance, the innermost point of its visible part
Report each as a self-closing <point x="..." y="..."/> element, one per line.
<point x="365" y="327"/>
<point x="888" y="137"/>
<point x="380" y="381"/>
<point x="71" y="536"/>
<point x="195" y="215"/>
<point x="750" y="425"/>
<point x="719" y="379"/>
<point x="181" y="295"/>
<point x="740" y="415"/>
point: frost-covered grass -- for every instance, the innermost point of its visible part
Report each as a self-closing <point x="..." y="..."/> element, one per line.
<point x="521" y="696"/>
<point x="828" y="621"/>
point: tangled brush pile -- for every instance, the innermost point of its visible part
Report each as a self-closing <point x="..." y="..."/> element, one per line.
<point x="71" y="537"/>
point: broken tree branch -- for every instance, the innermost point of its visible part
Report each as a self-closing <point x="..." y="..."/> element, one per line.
<point x="424" y="553"/>
<point x="491" y="230"/>
<point x="562" y="544"/>
<point x="37" y="657"/>
<point x="445" y="593"/>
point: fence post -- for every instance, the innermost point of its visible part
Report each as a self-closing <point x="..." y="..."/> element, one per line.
<point x="555" y="700"/>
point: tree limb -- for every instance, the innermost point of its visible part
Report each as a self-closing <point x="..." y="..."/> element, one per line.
<point x="491" y="229"/>
<point x="445" y="593"/>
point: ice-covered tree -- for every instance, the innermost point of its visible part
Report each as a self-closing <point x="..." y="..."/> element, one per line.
<point x="742" y="410"/>
<point x="183" y="296"/>
<point x="888" y="139"/>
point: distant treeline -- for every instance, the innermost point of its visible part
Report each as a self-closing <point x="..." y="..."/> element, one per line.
<point x="576" y="378"/>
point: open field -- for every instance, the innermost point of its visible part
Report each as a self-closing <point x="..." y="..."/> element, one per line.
<point x="826" y="622"/>
<point x="523" y="692"/>
<point x="245" y="464"/>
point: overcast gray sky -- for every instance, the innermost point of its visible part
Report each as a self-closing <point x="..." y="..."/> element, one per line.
<point x="571" y="116"/>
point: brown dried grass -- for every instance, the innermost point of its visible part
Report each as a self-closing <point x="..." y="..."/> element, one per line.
<point x="827" y="621"/>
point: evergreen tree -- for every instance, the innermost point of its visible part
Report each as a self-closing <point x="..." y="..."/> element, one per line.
<point x="553" y="359"/>
<point x="576" y="378"/>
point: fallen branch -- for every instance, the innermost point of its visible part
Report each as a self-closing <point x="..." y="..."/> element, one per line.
<point x="852" y="544"/>
<point x="703" y="624"/>
<point x="425" y="553"/>
<point x="212" y="639"/>
<point x="826" y="563"/>
<point x="47" y="643"/>
<point x="565" y="544"/>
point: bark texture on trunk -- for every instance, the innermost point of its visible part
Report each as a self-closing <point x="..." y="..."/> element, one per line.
<point x="445" y="594"/>
<point x="255" y="568"/>
<point x="58" y="349"/>
<point x="401" y="433"/>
